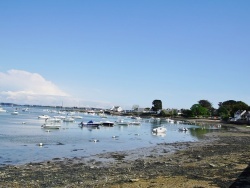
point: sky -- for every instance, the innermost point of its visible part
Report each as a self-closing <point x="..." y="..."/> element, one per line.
<point x="102" y="53"/>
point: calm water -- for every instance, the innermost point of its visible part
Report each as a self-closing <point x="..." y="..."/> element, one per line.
<point x="19" y="142"/>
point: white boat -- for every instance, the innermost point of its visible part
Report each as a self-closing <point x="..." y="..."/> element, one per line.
<point x="15" y="112"/>
<point x="159" y="130"/>
<point x="135" y="123"/>
<point x="25" y="109"/>
<point x="69" y="119"/>
<point x="2" y="110"/>
<point x="121" y="122"/>
<point x="77" y="117"/>
<point x="183" y="129"/>
<point x="107" y="123"/>
<point x="102" y="115"/>
<point x="91" y="112"/>
<point x="170" y="120"/>
<point x="153" y="120"/>
<point x="137" y="118"/>
<point x="43" y="117"/>
<point x="51" y="126"/>
<point x="60" y="117"/>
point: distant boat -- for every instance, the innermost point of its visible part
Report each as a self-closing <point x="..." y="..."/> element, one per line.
<point x="77" y="117"/>
<point x="107" y="123"/>
<point x="60" y="117"/>
<point x="51" y="126"/>
<point x="183" y="129"/>
<point x="159" y="130"/>
<point x="15" y="112"/>
<point x="102" y="115"/>
<point x="2" y="110"/>
<point x="43" y="117"/>
<point x="170" y="120"/>
<point x="25" y="109"/>
<point x="69" y="119"/>
<point x="122" y="122"/>
<point x="90" y="124"/>
<point x="135" y="123"/>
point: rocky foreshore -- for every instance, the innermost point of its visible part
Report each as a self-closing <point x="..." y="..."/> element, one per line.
<point x="221" y="159"/>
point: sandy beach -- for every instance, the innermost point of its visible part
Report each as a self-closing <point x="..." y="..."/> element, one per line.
<point x="220" y="159"/>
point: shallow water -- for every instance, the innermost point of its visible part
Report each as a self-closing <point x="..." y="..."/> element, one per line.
<point x="21" y="134"/>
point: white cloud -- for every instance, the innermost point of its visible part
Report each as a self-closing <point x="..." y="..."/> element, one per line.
<point x="22" y="87"/>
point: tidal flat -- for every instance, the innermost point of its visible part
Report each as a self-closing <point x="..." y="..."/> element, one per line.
<point x="220" y="159"/>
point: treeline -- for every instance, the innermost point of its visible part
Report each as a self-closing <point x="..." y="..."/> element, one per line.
<point x="204" y="108"/>
<point x="226" y="109"/>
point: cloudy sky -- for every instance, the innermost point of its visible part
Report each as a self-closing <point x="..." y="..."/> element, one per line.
<point x="104" y="53"/>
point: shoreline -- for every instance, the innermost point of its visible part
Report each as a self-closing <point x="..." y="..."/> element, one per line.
<point x="215" y="161"/>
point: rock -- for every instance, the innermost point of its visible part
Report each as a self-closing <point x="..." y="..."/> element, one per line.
<point x="134" y="180"/>
<point x="212" y="165"/>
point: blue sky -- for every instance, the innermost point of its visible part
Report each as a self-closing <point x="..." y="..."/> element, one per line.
<point x="105" y="53"/>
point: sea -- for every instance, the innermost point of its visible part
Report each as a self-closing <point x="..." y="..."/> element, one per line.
<point x="23" y="140"/>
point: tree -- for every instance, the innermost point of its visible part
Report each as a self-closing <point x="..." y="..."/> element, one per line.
<point x="164" y="113"/>
<point x="205" y="104"/>
<point x="232" y="106"/>
<point x="135" y="107"/>
<point x="240" y="106"/>
<point x="187" y="113"/>
<point x="224" y="113"/>
<point x="157" y="105"/>
<point x="198" y="110"/>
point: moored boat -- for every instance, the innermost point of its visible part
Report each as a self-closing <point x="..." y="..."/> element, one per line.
<point x="159" y="130"/>
<point x="122" y="122"/>
<point x="2" y="110"/>
<point x="90" y="124"/>
<point x="135" y="123"/>
<point x="69" y="119"/>
<point x="51" y="126"/>
<point x="183" y="129"/>
<point x="43" y="117"/>
<point x="107" y="123"/>
<point x="15" y="112"/>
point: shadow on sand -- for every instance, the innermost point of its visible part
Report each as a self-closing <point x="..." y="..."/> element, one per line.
<point x="243" y="181"/>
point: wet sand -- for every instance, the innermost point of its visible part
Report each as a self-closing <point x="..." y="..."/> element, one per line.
<point x="220" y="159"/>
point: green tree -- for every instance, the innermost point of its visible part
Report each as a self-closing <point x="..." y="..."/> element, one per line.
<point x="198" y="110"/>
<point x="232" y="106"/>
<point x="205" y="104"/>
<point x="187" y="113"/>
<point x="164" y="113"/>
<point x="240" y="106"/>
<point x="157" y="105"/>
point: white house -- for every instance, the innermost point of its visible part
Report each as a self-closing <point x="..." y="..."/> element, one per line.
<point x="238" y="115"/>
<point x="116" y="109"/>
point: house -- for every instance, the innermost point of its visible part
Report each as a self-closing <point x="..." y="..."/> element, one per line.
<point x="238" y="115"/>
<point x="140" y="110"/>
<point x="116" y="109"/>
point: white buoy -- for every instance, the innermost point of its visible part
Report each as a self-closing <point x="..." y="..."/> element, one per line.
<point x="40" y="144"/>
